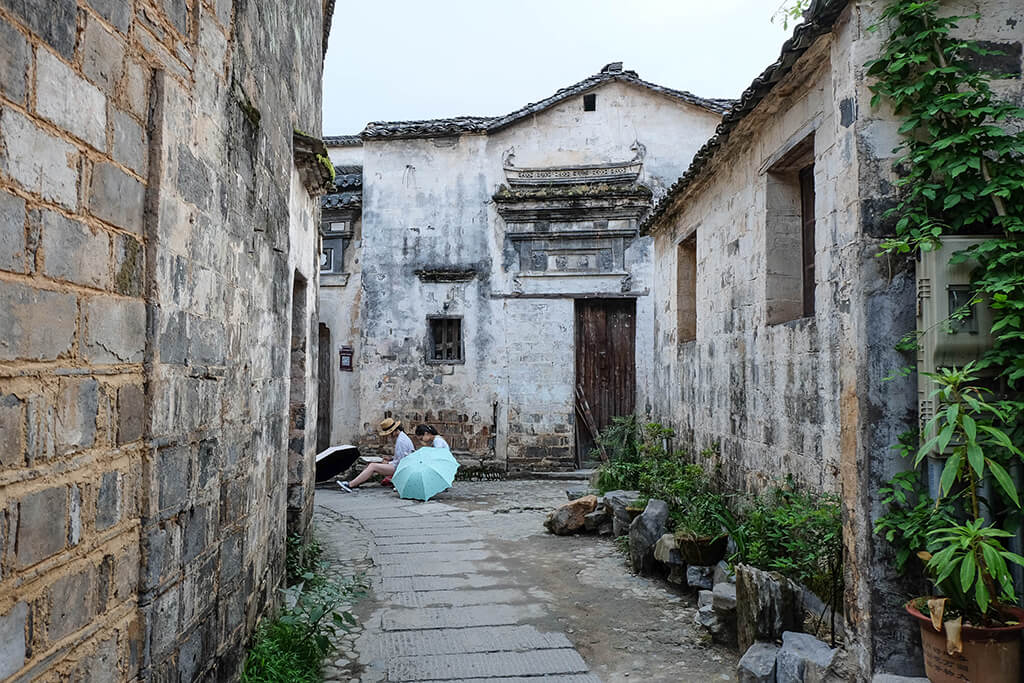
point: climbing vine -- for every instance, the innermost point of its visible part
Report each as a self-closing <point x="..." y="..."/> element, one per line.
<point x="962" y="165"/>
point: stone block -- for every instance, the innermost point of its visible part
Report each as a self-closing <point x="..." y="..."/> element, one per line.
<point x="12" y="226"/>
<point x="616" y="502"/>
<point x="115" y="330"/>
<point x="74" y="252"/>
<point x="724" y="597"/>
<point x="129" y="146"/>
<point x="129" y="266"/>
<point x="38" y="324"/>
<point x="108" y="501"/>
<point x="757" y="665"/>
<point x="704" y="598"/>
<point x="12" y="431"/>
<point x="723" y="574"/>
<point x="173" y="476"/>
<point x="195" y="182"/>
<point x="130" y="413"/>
<point x="72" y="604"/>
<point x="40" y="428"/>
<point x="74" y="515"/>
<point x="42" y="525"/>
<point x="569" y="518"/>
<point x="116" y="197"/>
<point x="84" y="115"/>
<point x="722" y="629"/>
<point x="117" y="12"/>
<point x="644" y="532"/>
<point x="700" y="577"/>
<point x="38" y="161"/>
<point x="163" y="621"/>
<point x="102" y="57"/>
<point x="14" y="54"/>
<point x="54" y="21"/>
<point x="768" y="604"/>
<point x="12" y="640"/>
<point x="799" y="649"/>
<point x="101" y="666"/>
<point x="77" y="405"/>
<point x="136" y="86"/>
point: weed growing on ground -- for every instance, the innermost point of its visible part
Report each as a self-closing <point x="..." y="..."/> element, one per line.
<point x="290" y="647"/>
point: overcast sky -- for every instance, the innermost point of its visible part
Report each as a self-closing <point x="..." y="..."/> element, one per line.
<point x="422" y="59"/>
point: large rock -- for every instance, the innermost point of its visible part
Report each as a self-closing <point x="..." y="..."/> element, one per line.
<point x="723" y="574"/>
<point x="757" y="665"/>
<point x="617" y="502"/>
<point x="644" y="533"/>
<point x="666" y="552"/>
<point x="767" y="605"/>
<point x="593" y="521"/>
<point x="702" y="578"/>
<point x="799" y="652"/>
<point x="570" y="517"/>
<point x="717" y="613"/>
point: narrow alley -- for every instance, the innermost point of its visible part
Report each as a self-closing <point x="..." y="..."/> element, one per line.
<point x="469" y="587"/>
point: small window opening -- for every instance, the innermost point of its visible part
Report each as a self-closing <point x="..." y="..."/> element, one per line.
<point x="686" y="290"/>
<point x="590" y="102"/>
<point x="444" y="344"/>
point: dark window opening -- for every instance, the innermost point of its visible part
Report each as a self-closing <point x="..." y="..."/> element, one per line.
<point x="807" y="236"/>
<point x="444" y="344"/>
<point x="686" y="290"/>
<point x="590" y="102"/>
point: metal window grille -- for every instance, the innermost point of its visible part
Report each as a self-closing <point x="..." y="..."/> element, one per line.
<point x="446" y="339"/>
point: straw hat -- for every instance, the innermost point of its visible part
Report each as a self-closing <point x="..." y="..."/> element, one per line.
<point x="387" y="425"/>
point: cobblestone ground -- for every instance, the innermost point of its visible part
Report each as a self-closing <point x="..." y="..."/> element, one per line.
<point x="469" y="587"/>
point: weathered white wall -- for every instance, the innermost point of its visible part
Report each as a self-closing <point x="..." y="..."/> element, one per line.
<point x="427" y="204"/>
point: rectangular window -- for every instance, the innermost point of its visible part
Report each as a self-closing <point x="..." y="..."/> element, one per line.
<point x="444" y="342"/>
<point x="789" y="233"/>
<point x="590" y="102"/>
<point x="686" y="290"/>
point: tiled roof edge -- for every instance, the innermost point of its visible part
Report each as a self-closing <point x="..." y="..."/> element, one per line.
<point x="343" y="140"/>
<point x="819" y="20"/>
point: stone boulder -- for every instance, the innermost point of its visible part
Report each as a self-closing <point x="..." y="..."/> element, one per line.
<point x="723" y="574"/>
<point x="757" y="665"/>
<point x="799" y="652"/>
<point x="702" y="578"/>
<point x="666" y="552"/>
<point x="768" y="605"/>
<point x="644" y="532"/>
<point x="616" y="502"/>
<point x="570" y="517"/>
<point x="717" y="613"/>
<point x="593" y="521"/>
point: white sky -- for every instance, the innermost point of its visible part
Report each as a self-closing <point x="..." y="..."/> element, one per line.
<point x="423" y="59"/>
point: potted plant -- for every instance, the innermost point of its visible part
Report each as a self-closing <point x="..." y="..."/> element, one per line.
<point x="698" y="528"/>
<point x="972" y="630"/>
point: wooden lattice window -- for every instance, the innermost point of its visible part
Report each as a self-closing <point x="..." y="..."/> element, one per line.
<point x="444" y="343"/>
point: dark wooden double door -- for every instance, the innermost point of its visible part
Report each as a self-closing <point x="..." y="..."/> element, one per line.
<point x="605" y="366"/>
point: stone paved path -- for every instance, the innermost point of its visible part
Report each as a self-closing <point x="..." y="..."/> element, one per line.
<point x="456" y="596"/>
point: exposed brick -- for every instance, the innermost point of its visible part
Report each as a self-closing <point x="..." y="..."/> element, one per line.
<point x="76" y="414"/>
<point x="12" y="437"/>
<point x="129" y="146"/>
<point x="102" y="56"/>
<point x="53" y="21"/>
<point x="42" y="525"/>
<point x="84" y="115"/>
<point x="38" y="161"/>
<point x="14" y="55"/>
<point x="74" y="252"/>
<point x="12" y="231"/>
<point x="72" y="604"/>
<point x="38" y="325"/>
<point x="116" y="197"/>
<point x="108" y="501"/>
<point x="130" y="413"/>
<point x="12" y="640"/>
<point x="115" y="330"/>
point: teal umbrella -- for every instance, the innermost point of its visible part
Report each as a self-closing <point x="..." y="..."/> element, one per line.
<point x="425" y="473"/>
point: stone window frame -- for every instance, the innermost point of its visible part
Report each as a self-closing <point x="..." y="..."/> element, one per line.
<point x="430" y="342"/>
<point x="790" y="251"/>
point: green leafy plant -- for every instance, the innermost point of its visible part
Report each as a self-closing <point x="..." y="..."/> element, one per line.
<point x="912" y="517"/>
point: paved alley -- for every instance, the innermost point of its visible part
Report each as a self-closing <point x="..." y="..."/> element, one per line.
<point x="468" y="587"/>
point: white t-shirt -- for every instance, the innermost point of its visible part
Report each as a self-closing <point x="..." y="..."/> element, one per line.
<point x="403" y="447"/>
<point x="441" y="443"/>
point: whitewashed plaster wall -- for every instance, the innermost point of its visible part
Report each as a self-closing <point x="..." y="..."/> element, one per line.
<point x="427" y="204"/>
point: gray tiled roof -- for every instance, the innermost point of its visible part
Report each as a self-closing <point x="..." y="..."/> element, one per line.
<point x="342" y="140"/>
<point x="487" y="124"/>
<point x="348" y="189"/>
<point x="818" y="20"/>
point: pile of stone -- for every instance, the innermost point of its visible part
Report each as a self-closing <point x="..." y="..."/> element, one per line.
<point x="588" y="512"/>
<point x="801" y="658"/>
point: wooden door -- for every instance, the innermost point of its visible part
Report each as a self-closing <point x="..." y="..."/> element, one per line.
<point x="605" y="365"/>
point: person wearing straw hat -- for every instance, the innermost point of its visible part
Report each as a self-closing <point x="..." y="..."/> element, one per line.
<point x="390" y="428"/>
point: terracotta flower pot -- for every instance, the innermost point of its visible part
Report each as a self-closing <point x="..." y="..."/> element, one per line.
<point x="701" y="551"/>
<point x="991" y="655"/>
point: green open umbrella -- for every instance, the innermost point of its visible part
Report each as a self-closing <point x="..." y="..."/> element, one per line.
<point x="425" y="473"/>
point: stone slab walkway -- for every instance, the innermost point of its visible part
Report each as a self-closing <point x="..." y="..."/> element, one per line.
<point x="452" y="599"/>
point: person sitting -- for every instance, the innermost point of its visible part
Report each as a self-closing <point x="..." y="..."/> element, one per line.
<point x="403" y="447"/>
<point x="428" y="436"/>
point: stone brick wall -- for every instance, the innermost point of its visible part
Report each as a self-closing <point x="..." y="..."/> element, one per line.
<point x="145" y="286"/>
